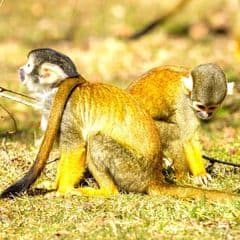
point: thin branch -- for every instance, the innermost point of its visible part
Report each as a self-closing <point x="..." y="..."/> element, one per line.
<point x="14" y="96"/>
<point x="16" y="93"/>
<point x="13" y="119"/>
<point x="150" y="26"/>
<point x="214" y="160"/>
<point x="54" y="160"/>
<point x="20" y="100"/>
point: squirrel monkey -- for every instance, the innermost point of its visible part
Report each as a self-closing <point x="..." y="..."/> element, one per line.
<point x="100" y="127"/>
<point x="177" y="99"/>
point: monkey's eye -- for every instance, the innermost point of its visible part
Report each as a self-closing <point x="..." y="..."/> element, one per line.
<point x="201" y="107"/>
<point x="198" y="106"/>
<point x="212" y="108"/>
<point x="28" y="67"/>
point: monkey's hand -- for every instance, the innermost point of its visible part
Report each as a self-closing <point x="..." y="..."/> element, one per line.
<point x="195" y="162"/>
<point x="202" y="180"/>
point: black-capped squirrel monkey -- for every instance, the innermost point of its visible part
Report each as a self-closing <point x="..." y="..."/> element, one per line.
<point x="176" y="98"/>
<point x="101" y="128"/>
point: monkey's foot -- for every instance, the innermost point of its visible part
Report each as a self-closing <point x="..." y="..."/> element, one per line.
<point x="87" y="191"/>
<point x="202" y="180"/>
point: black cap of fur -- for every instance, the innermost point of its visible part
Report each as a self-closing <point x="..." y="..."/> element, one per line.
<point x="43" y="55"/>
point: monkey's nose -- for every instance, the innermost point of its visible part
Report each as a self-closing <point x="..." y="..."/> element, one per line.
<point x="203" y="115"/>
<point x="21" y="74"/>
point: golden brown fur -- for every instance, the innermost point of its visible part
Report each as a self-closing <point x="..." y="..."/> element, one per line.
<point x="104" y="129"/>
<point x="162" y="93"/>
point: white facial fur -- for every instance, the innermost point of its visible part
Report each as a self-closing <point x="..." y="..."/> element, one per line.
<point x="50" y="73"/>
<point x="28" y="67"/>
<point x="41" y="88"/>
<point x="230" y="87"/>
<point x="25" y="75"/>
<point x="25" y="71"/>
<point x="187" y="84"/>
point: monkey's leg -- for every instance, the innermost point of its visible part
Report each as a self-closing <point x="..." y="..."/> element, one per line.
<point x="172" y="146"/>
<point x="106" y="184"/>
<point x="70" y="170"/>
<point x="176" y="152"/>
<point x="169" y="132"/>
<point x="99" y="153"/>
<point x="193" y="153"/>
<point x="114" y="166"/>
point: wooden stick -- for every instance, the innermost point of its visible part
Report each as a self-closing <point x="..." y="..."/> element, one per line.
<point x="20" y="100"/>
<point x="16" y="93"/>
<point x="160" y="20"/>
<point x="9" y="94"/>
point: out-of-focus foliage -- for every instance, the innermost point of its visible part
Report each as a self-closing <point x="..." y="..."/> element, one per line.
<point x="88" y="31"/>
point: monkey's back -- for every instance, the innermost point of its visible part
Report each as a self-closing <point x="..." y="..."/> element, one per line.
<point x="158" y="90"/>
<point x="101" y="108"/>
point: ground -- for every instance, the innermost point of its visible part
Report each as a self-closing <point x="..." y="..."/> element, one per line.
<point x="92" y="34"/>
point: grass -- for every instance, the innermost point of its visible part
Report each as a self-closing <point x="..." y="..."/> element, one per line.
<point x="125" y="217"/>
<point x="83" y="31"/>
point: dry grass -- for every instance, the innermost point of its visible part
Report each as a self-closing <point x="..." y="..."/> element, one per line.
<point x="86" y="30"/>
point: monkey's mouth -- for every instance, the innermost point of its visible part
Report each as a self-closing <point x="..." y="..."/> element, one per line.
<point x="204" y="115"/>
<point x="21" y="74"/>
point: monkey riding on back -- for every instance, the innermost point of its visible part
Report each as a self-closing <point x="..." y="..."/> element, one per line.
<point x="99" y="127"/>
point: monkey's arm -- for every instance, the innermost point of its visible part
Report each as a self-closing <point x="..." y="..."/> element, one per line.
<point x="71" y="168"/>
<point x="185" y="151"/>
<point x="194" y="159"/>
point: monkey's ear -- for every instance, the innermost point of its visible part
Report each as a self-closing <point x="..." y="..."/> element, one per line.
<point x="50" y="73"/>
<point x="230" y="87"/>
<point x="187" y="83"/>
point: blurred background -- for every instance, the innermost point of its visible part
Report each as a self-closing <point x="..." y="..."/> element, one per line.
<point x="95" y="35"/>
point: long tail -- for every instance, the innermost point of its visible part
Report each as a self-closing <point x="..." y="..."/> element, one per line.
<point x="192" y="193"/>
<point x="64" y="91"/>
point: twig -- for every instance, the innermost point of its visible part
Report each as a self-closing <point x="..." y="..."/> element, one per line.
<point x="149" y="27"/>
<point x="54" y="160"/>
<point x="7" y="94"/>
<point x="16" y="93"/>
<point x="13" y="119"/>
<point x="214" y="160"/>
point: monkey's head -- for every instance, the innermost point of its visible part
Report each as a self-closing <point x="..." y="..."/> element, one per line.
<point x="207" y="87"/>
<point x="45" y="68"/>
